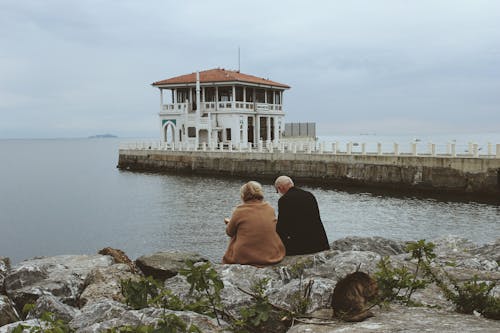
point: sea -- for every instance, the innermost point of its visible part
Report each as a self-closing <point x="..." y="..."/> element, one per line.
<point x="66" y="196"/>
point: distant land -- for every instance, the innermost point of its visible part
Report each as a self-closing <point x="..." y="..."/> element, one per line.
<point x="101" y="136"/>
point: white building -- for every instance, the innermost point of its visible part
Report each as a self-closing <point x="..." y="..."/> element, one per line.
<point x="219" y="105"/>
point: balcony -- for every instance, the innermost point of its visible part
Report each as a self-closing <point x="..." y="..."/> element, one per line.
<point x="222" y="106"/>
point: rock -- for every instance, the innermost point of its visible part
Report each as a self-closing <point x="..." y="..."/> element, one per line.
<point x="105" y="314"/>
<point x="97" y="312"/>
<point x="8" y="313"/>
<point x="104" y="283"/>
<point x="233" y="277"/>
<point x="27" y="323"/>
<point x="50" y="303"/>
<point x="491" y="251"/>
<point x="4" y="270"/>
<point x="119" y="257"/>
<point x="382" y="246"/>
<point x="406" y="319"/>
<point x="61" y="276"/>
<point x="164" y="265"/>
<point x="290" y="294"/>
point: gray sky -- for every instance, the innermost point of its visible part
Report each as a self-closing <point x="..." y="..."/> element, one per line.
<point x="78" y="68"/>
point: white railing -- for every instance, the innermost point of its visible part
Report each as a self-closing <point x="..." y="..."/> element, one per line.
<point x="175" y="107"/>
<point x="214" y="106"/>
<point x="471" y="150"/>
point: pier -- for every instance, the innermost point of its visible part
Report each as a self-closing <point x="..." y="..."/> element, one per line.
<point x="473" y="170"/>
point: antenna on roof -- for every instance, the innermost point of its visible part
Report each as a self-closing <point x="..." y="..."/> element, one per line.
<point x="238" y="58"/>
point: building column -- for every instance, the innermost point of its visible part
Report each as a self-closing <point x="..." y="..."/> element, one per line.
<point x="161" y="100"/>
<point x="244" y="94"/>
<point x="175" y="96"/>
<point x="256" y="137"/>
<point x="216" y="98"/>
<point x="268" y="124"/>
<point x="276" y="129"/>
<point x="233" y="97"/>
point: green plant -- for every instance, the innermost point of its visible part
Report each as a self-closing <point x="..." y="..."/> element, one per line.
<point x="399" y="283"/>
<point x="170" y="323"/>
<point x="261" y="316"/>
<point x="471" y="296"/>
<point x="47" y="323"/>
<point x="302" y="298"/>
<point x="138" y="294"/>
<point x="205" y="281"/>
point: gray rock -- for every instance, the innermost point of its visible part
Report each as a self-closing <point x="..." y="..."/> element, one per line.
<point x="104" y="283"/>
<point x="382" y="246"/>
<point x="4" y="270"/>
<point x="235" y="278"/>
<point x="27" y="323"/>
<point x="50" y="303"/>
<point x="491" y="251"/>
<point x="61" y="276"/>
<point x="290" y="294"/>
<point x="105" y="314"/>
<point x="8" y="313"/>
<point x="405" y="319"/>
<point x="97" y="312"/>
<point x="164" y="265"/>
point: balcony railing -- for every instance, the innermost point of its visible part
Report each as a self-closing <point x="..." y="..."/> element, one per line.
<point x="220" y="106"/>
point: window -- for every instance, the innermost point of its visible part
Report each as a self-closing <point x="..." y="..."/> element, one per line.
<point x="260" y="96"/>
<point x="239" y="94"/>
<point x="182" y="95"/>
<point x="225" y="94"/>
<point x="270" y="97"/>
<point x="249" y="95"/>
<point x="228" y="134"/>
<point x="209" y="94"/>
<point x="191" y="132"/>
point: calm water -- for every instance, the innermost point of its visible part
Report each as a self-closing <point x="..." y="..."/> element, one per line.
<point x="67" y="197"/>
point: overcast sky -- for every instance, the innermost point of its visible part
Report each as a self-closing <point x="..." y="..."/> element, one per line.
<point x="78" y="68"/>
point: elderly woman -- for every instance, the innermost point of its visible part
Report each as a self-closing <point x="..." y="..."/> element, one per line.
<point x="252" y="229"/>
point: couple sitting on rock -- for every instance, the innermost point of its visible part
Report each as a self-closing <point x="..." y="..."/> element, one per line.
<point x="259" y="239"/>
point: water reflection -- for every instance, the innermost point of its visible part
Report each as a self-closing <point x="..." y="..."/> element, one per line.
<point x="190" y="210"/>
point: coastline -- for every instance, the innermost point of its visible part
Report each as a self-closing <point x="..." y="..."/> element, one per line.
<point x="81" y="288"/>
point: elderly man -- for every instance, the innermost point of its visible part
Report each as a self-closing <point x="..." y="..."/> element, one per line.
<point x="299" y="223"/>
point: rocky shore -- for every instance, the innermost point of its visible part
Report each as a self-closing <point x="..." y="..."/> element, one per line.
<point x="85" y="290"/>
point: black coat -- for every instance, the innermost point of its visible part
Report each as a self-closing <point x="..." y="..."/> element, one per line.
<point x="299" y="223"/>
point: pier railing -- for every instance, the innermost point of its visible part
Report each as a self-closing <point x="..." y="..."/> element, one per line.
<point x="470" y="150"/>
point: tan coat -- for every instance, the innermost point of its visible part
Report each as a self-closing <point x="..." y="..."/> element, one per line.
<point x="254" y="240"/>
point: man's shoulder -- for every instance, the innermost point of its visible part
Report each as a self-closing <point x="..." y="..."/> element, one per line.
<point x="297" y="191"/>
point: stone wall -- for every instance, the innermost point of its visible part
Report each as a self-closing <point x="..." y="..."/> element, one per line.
<point x="451" y="174"/>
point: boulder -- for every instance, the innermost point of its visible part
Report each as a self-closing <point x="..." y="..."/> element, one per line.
<point x="104" y="283"/>
<point x="102" y="315"/>
<point x="292" y="293"/>
<point x="404" y="319"/>
<point x="491" y="251"/>
<point x="119" y="257"/>
<point x="61" y="276"/>
<point x="235" y="278"/>
<point x="382" y="246"/>
<point x="8" y="313"/>
<point x="50" y="303"/>
<point x="26" y="323"/>
<point x="164" y="265"/>
<point x="4" y="270"/>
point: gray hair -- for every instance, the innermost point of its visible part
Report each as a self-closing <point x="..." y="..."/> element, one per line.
<point x="251" y="191"/>
<point x="283" y="180"/>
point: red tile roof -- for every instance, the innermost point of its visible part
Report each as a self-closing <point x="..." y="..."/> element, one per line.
<point x="219" y="75"/>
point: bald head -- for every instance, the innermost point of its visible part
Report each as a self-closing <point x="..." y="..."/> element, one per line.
<point x="283" y="184"/>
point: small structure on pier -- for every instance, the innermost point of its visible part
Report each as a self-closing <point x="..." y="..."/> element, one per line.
<point x="220" y="106"/>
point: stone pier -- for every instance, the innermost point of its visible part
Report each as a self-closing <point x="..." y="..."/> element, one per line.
<point x="434" y="173"/>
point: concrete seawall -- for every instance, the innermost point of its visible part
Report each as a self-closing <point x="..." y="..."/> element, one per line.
<point x="433" y="173"/>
